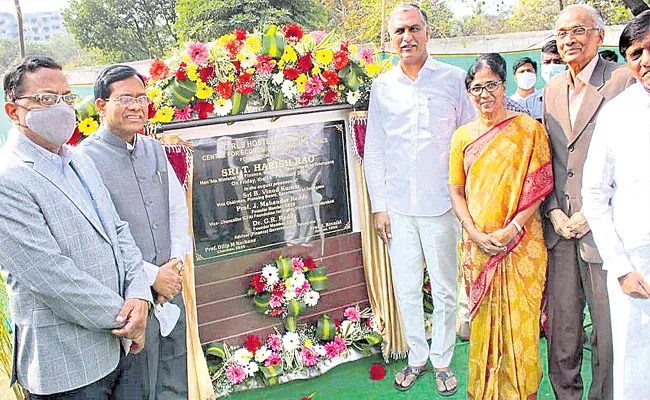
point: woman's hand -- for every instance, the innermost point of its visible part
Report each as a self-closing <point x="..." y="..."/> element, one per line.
<point x="505" y="235"/>
<point x="486" y="242"/>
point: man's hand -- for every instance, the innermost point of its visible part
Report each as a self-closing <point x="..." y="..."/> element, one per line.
<point x="137" y="344"/>
<point x="169" y="280"/>
<point x="133" y="318"/>
<point x="559" y="220"/>
<point x="634" y="285"/>
<point x="577" y="224"/>
<point x="382" y="225"/>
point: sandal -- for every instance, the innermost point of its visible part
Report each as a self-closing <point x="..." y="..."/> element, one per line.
<point x="406" y="372"/>
<point x="443" y="377"/>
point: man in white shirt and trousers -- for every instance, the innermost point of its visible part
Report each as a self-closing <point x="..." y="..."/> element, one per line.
<point x="148" y="195"/>
<point x="616" y="199"/>
<point x="414" y="110"/>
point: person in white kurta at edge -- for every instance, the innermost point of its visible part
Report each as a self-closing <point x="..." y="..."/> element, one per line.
<point x="616" y="203"/>
<point x="414" y="110"/>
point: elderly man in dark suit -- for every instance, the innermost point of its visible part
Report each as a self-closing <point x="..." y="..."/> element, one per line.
<point x="575" y="272"/>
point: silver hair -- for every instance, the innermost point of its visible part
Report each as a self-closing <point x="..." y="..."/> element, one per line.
<point x="593" y="11"/>
<point x="406" y="7"/>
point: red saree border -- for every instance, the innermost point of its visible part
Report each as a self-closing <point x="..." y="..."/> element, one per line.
<point x="537" y="185"/>
<point x="479" y="289"/>
<point x="476" y="147"/>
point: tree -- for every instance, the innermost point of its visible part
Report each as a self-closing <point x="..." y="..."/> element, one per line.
<point x="206" y="20"/>
<point x="123" y="30"/>
<point x="62" y="48"/>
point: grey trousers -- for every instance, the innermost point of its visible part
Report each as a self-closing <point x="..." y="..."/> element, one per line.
<point x="165" y="360"/>
<point x="571" y="282"/>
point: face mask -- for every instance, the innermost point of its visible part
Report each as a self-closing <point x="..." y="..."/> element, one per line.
<point x="526" y="80"/>
<point x="550" y="71"/>
<point x="54" y="123"/>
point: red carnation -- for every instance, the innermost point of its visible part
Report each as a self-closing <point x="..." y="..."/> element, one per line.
<point x="337" y="323"/>
<point x="305" y="99"/>
<point x="277" y="312"/>
<point x="309" y="263"/>
<point x="233" y="47"/>
<point x="244" y="83"/>
<point x="240" y="34"/>
<point x="331" y="78"/>
<point x="258" y="283"/>
<point x="181" y="72"/>
<point x="341" y="60"/>
<point x="237" y="65"/>
<point x="279" y="289"/>
<point x="291" y="73"/>
<point x="252" y="343"/>
<point x="224" y="89"/>
<point x="330" y="96"/>
<point x="304" y="63"/>
<point x="377" y="372"/>
<point x="202" y="109"/>
<point x="206" y="73"/>
<point x="151" y="111"/>
<point x="292" y="32"/>
<point x="158" y="70"/>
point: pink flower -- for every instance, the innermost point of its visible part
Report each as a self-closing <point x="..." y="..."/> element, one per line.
<point x="198" y="52"/>
<point x="274" y="342"/>
<point x="309" y="357"/>
<point x="318" y="36"/>
<point x="264" y="65"/>
<point x="365" y="54"/>
<point x="352" y="314"/>
<point x="331" y="349"/>
<point x="236" y="374"/>
<point x="276" y="301"/>
<point x="297" y="264"/>
<point x="303" y="289"/>
<point x="274" y="359"/>
<point x="339" y="342"/>
<point x="184" y="114"/>
<point x="314" y="85"/>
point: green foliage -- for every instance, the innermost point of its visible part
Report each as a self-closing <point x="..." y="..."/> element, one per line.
<point x="206" y="20"/>
<point x="123" y="30"/>
<point x="62" y="48"/>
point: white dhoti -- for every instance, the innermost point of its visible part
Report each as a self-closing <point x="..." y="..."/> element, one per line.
<point x="631" y="334"/>
<point x="414" y="240"/>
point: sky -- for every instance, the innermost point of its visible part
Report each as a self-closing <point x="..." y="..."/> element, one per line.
<point x="28" y="6"/>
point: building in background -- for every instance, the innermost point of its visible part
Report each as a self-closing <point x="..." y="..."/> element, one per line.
<point x="38" y="27"/>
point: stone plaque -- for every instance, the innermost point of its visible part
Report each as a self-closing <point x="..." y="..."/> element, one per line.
<point x="261" y="190"/>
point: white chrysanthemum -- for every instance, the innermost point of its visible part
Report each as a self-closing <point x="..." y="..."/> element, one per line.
<point x="242" y="357"/>
<point x="247" y="58"/>
<point x="289" y="89"/>
<point x="222" y="107"/>
<point x="291" y="341"/>
<point x="251" y="368"/>
<point x="347" y="327"/>
<point x="278" y="78"/>
<point x="353" y="97"/>
<point x="262" y="354"/>
<point x="311" y="298"/>
<point x="320" y="350"/>
<point x="270" y="274"/>
<point x="290" y="293"/>
<point x="297" y="280"/>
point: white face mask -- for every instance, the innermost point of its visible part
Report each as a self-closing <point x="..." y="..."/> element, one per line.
<point x="54" y="123"/>
<point x="526" y="80"/>
<point x="550" y="71"/>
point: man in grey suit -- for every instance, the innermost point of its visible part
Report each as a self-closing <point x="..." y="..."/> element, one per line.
<point x="148" y="195"/>
<point x="575" y="274"/>
<point x="76" y="282"/>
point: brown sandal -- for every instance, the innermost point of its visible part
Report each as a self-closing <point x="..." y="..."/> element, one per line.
<point x="406" y="372"/>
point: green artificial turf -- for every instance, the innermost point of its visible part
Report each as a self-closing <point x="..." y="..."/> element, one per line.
<point x="352" y="381"/>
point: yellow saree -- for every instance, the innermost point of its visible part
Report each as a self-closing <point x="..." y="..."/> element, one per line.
<point x="504" y="171"/>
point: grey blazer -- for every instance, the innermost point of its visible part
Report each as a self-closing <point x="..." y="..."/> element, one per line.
<point x="68" y="268"/>
<point x="569" y="145"/>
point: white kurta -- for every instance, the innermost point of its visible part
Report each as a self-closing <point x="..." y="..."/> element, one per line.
<point x="616" y="203"/>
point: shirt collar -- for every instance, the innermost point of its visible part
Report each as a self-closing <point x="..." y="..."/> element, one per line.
<point x="115" y="140"/>
<point x="584" y="75"/>
<point x="59" y="161"/>
<point x="429" y="64"/>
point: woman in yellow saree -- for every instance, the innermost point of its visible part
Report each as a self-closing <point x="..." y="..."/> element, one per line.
<point x="500" y="172"/>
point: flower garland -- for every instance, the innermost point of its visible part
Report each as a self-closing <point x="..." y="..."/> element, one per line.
<point x="286" y="287"/>
<point x="264" y="362"/>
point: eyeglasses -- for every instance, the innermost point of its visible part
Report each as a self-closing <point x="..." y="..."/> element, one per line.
<point x="128" y="100"/>
<point x="578" y="31"/>
<point x="490" y="87"/>
<point x="50" y="99"/>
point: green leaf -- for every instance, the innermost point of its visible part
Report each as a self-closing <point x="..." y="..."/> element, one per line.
<point x="325" y="328"/>
<point x="291" y="323"/>
<point x="239" y="102"/>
